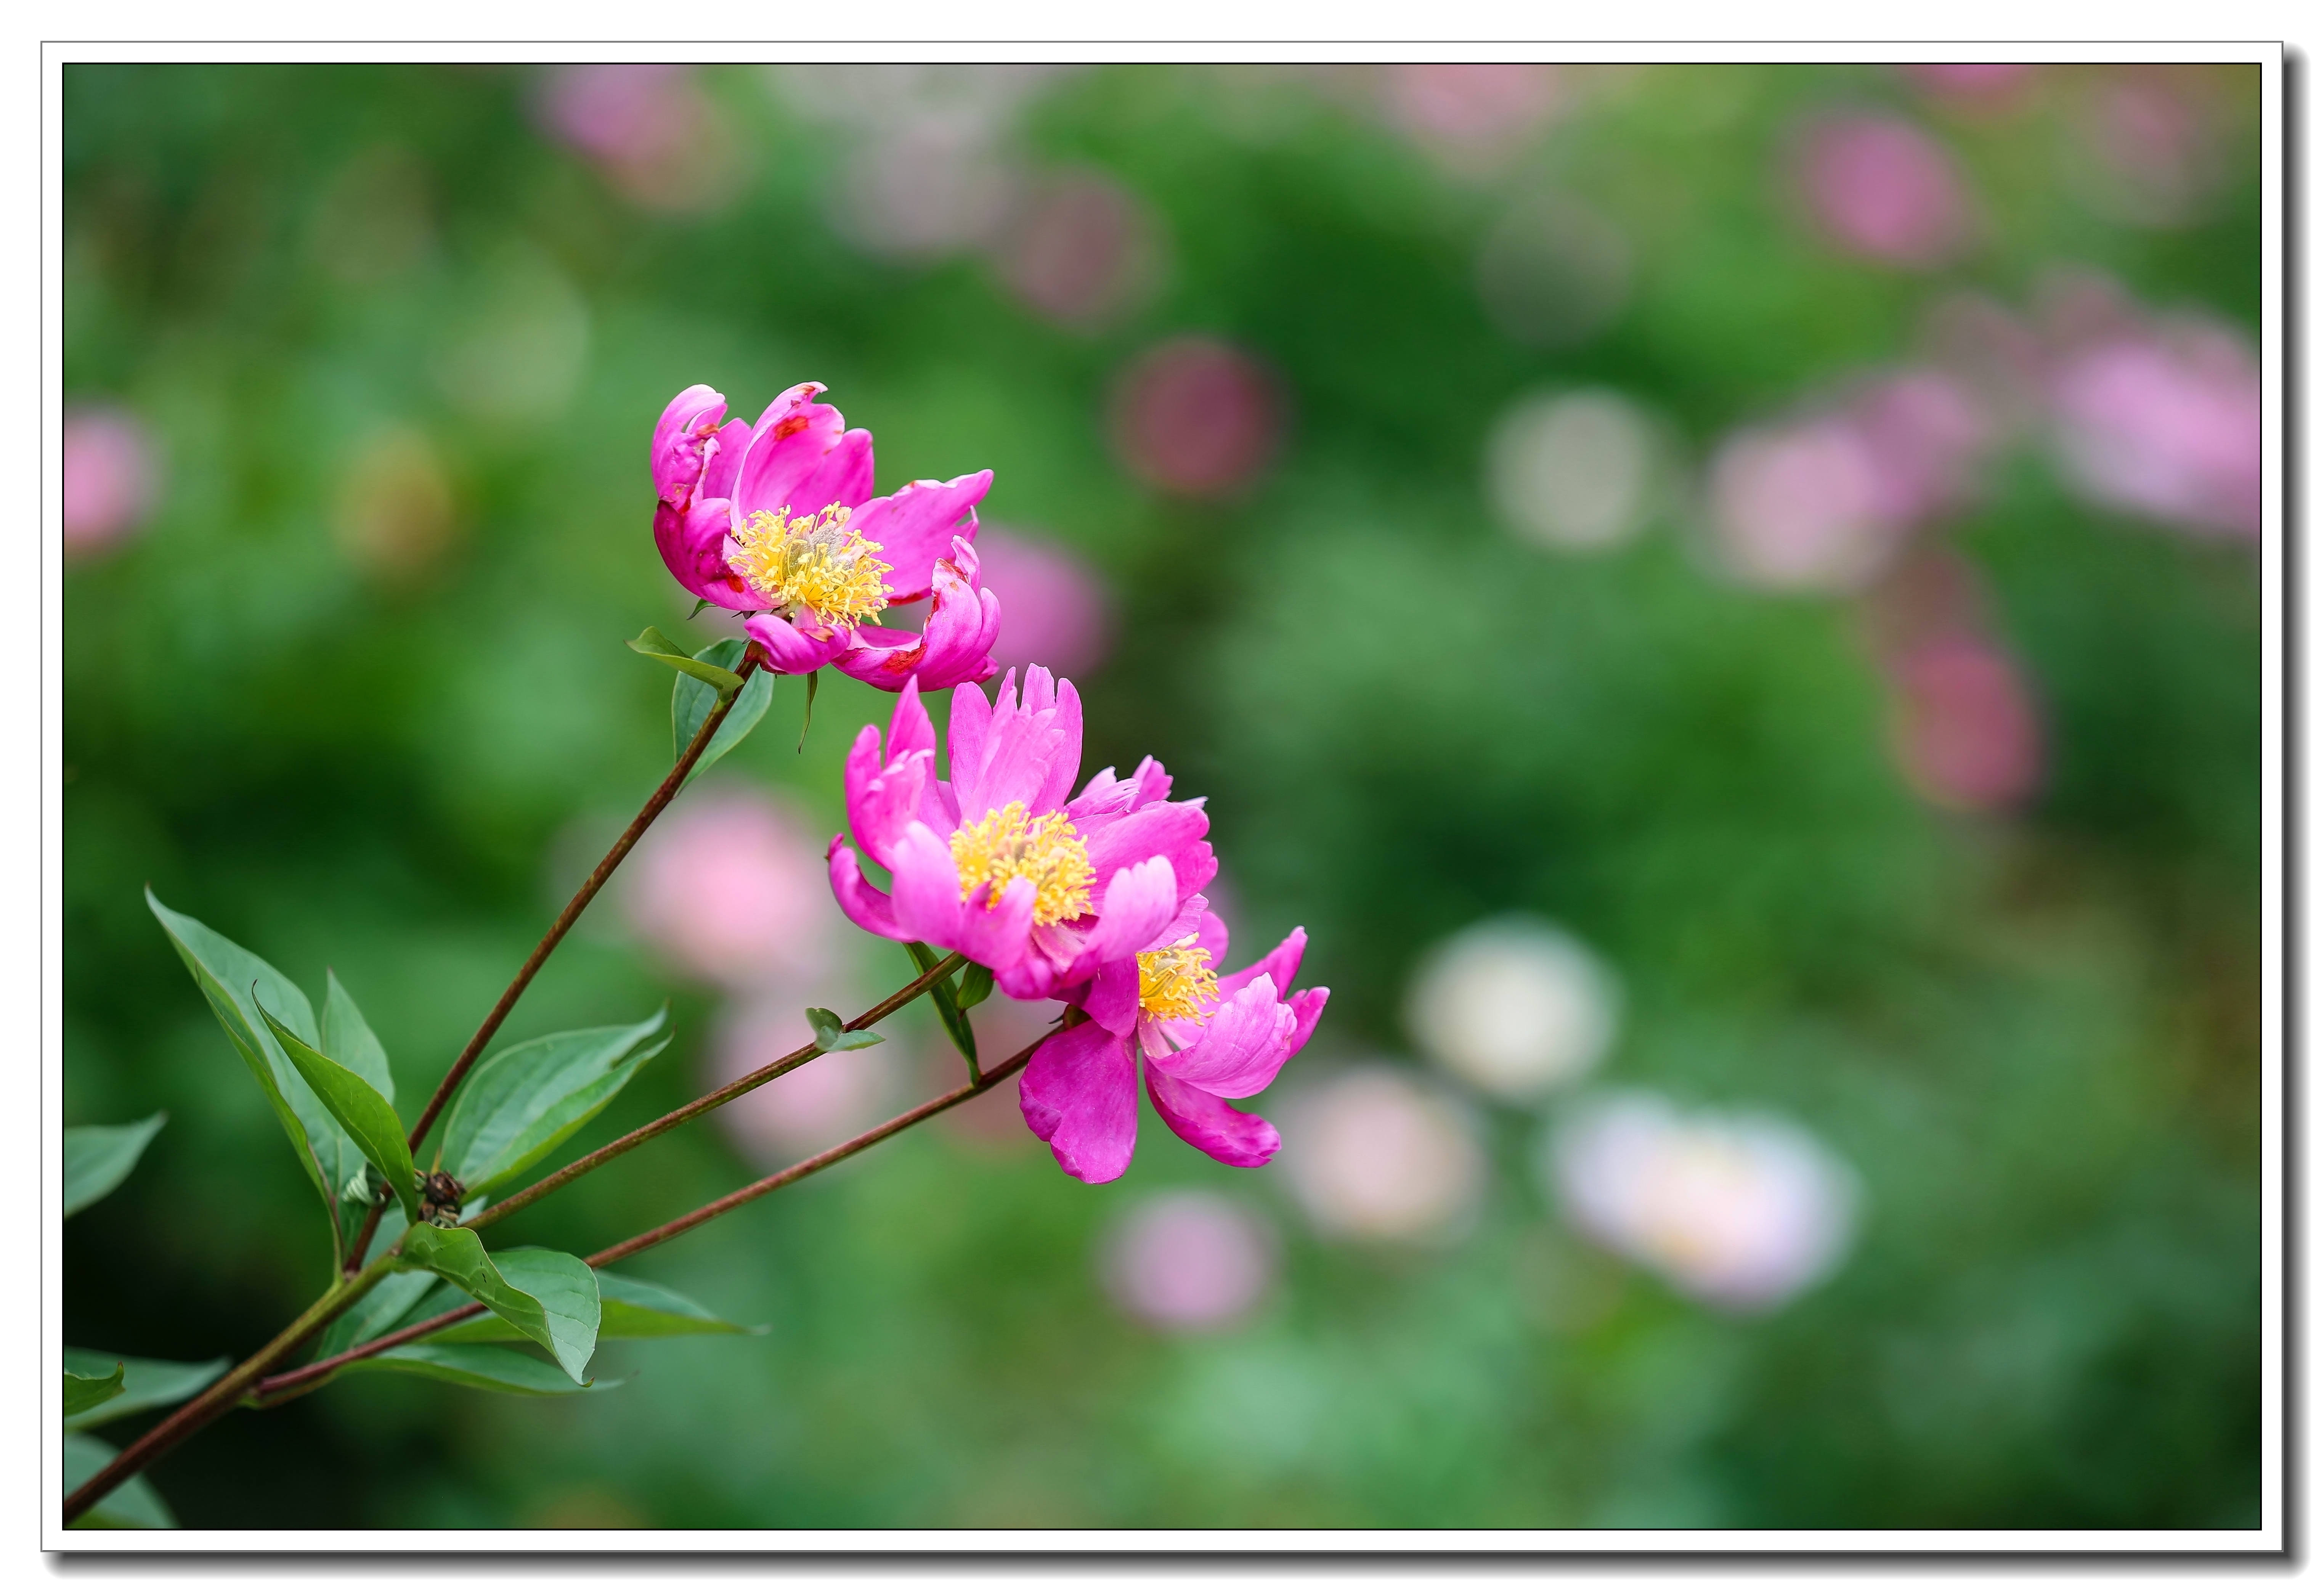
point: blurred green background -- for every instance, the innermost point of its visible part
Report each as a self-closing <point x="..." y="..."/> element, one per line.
<point x="1271" y="358"/>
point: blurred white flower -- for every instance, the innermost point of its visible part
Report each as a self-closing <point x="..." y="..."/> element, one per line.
<point x="1187" y="1261"/>
<point x="1576" y="470"/>
<point x="1739" y="1210"/>
<point x="1515" y="1006"/>
<point x="1372" y="1155"/>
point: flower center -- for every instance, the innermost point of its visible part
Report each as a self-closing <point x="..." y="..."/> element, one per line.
<point x="1004" y="845"/>
<point x="1176" y="981"/>
<point x="812" y="564"/>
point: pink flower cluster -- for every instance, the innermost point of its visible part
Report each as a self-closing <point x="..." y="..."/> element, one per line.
<point x="1091" y="897"/>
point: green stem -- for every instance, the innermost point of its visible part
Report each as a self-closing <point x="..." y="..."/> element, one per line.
<point x="715" y="1098"/>
<point x="663" y="793"/>
<point x="306" y="1378"/>
<point x="221" y="1395"/>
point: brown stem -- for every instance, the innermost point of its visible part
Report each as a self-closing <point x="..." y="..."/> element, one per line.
<point x="716" y="1097"/>
<point x="219" y="1397"/>
<point x="289" y="1384"/>
<point x="661" y="798"/>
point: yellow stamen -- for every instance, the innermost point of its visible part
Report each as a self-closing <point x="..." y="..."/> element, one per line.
<point x="1176" y="981"/>
<point x="812" y="564"/>
<point x="1004" y="845"/>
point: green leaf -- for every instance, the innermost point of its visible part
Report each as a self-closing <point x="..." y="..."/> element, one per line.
<point x="975" y="985"/>
<point x="226" y="974"/>
<point x="632" y="1309"/>
<point x="830" y="1037"/>
<point x="83" y="1394"/>
<point x="948" y="1011"/>
<point x="690" y="703"/>
<point x="807" y="718"/>
<point x="98" y="1157"/>
<point x="550" y="1297"/>
<point x="134" y="1504"/>
<point x="146" y="1385"/>
<point x="389" y="1304"/>
<point x="523" y="1102"/>
<point x="479" y="1365"/>
<point x="359" y="1109"/>
<point x="654" y="645"/>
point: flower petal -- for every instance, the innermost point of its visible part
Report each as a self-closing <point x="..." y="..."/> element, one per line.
<point x="1307" y="1008"/>
<point x="687" y="420"/>
<point x="915" y="526"/>
<point x="1174" y="830"/>
<point x="788" y="460"/>
<point x="1281" y="965"/>
<point x="1079" y="1093"/>
<point x="1206" y="1122"/>
<point x="790" y="649"/>
<point x="926" y="887"/>
<point x="868" y="907"/>
<point x="881" y="803"/>
<point x="955" y="649"/>
<point x="997" y="936"/>
<point x="1138" y="902"/>
<point x="1243" y="1047"/>
<point x="693" y="543"/>
<point x="1113" y="997"/>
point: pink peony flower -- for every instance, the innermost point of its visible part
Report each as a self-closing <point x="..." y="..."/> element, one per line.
<point x="1883" y="188"/>
<point x="1204" y="1039"/>
<point x="778" y="521"/>
<point x="109" y="478"/>
<point x="2166" y="425"/>
<point x="993" y="861"/>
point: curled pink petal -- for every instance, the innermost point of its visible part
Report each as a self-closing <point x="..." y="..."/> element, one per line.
<point x="790" y="649"/>
<point x="927" y="888"/>
<point x="1173" y="830"/>
<point x="691" y="542"/>
<point x="868" y="907"/>
<point x="788" y="445"/>
<point x="1281" y="965"/>
<point x="1306" y="1010"/>
<point x="880" y="805"/>
<point x="1079" y="1093"/>
<point x="1206" y="1122"/>
<point x="688" y="421"/>
<point x="955" y="649"/>
<point x="915" y="527"/>
<point x="995" y="935"/>
<point x="1242" y="1046"/>
<point x="1112" y="996"/>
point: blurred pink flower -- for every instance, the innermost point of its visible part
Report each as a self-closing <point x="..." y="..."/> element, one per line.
<point x="1883" y="188"/>
<point x="1081" y="249"/>
<point x="1470" y="115"/>
<point x="1963" y="724"/>
<point x="1059" y="613"/>
<point x="111" y="478"/>
<point x="1741" y="1211"/>
<point x="925" y="187"/>
<point x="2165" y="423"/>
<point x="1799" y="508"/>
<point x="808" y="1109"/>
<point x="1197" y="416"/>
<point x="1188" y="1261"/>
<point x="1824" y="502"/>
<point x="648" y="128"/>
<point x="729" y="888"/>
<point x="1374" y="1155"/>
